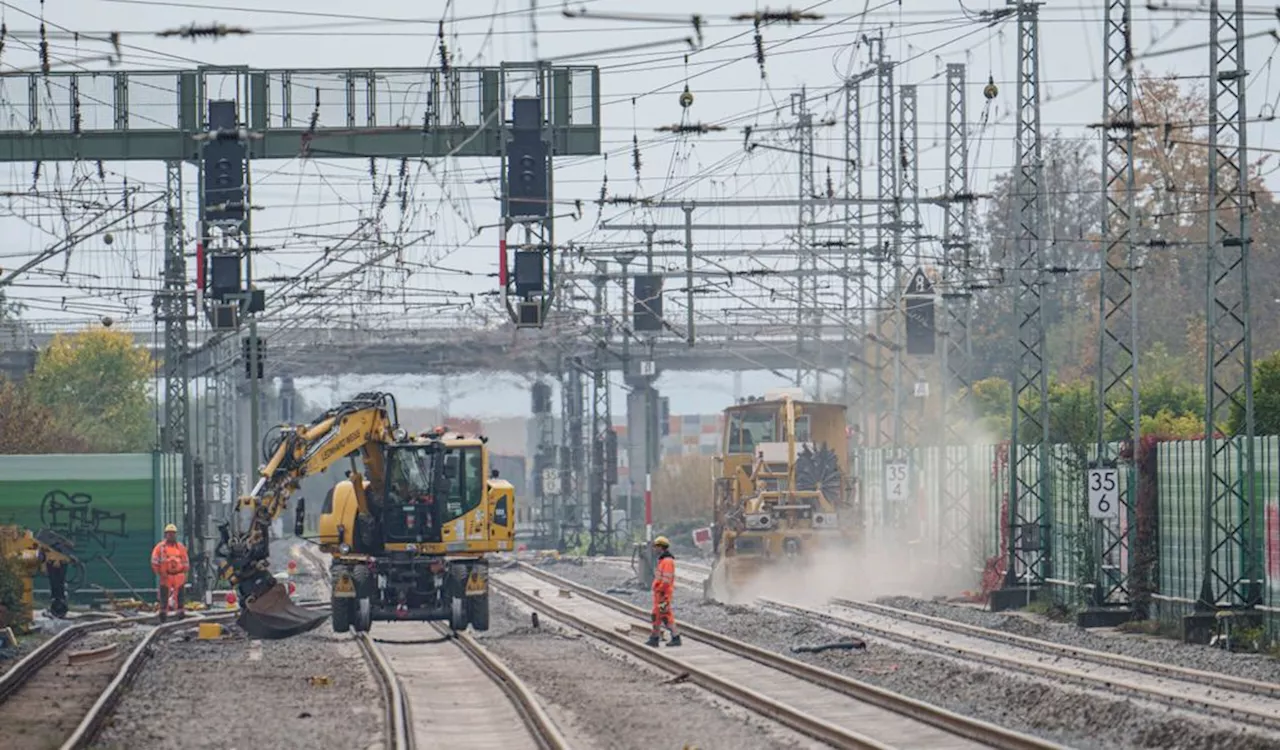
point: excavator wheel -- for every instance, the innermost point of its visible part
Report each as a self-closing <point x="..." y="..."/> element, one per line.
<point x="341" y="612"/>
<point x="458" y="613"/>
<point x="363" y="604"/>
<point x="479" y="612"/>
<point x="363" y="614"/>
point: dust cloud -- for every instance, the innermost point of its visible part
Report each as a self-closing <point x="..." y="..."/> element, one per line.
<point x="910" y="559"/>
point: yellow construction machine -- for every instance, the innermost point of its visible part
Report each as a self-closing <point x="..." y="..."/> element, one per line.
<point x="408" y="536"/>
<point x="33" y="553"/>
<point x="782" y="491"/>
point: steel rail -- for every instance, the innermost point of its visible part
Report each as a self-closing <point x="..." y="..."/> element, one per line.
<point x="1171" y="696"/>
<point x="939" y="718"/>
<point x="1159" y="669"/>
<point x="396" y="707"/>
<point x="541" y="727"/>
<point x="761" y="704"/>
<point x="100" y="711"/>
<point x="19" y="673"/>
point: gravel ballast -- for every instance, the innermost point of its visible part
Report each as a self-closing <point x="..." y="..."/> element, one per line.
<point x="1057" y="712"/>
<point x="237" y="693"/>
<point x="603" y="699"/>
<point x="1138" y="646"/>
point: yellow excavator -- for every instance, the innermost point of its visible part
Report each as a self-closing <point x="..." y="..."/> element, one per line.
<point x="783" y="489"/>
<point x="408" y="537"/>
<point x="32" y="553"/>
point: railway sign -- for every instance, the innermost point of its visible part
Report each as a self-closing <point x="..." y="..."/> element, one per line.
<point x="550" y="481"/>
<point x="895" y="480"/>
<point x="1104" y="493"/>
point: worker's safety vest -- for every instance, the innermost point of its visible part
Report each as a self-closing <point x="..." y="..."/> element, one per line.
<point x="169" y="559"/>
<point x="664" y="578"/>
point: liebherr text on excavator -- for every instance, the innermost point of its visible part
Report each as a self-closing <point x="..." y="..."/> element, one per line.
<point x="408" y="536"/>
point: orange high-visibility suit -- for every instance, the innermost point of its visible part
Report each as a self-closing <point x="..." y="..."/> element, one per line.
<point x="169" y="562"/>
<point x="664" y="585"/>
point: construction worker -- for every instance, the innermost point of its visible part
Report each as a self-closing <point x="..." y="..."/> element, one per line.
<point x="170" y="563"/>
<point x="664" y="585"/>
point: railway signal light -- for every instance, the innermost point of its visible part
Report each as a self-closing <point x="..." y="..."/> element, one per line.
<point x="527" y="193"/>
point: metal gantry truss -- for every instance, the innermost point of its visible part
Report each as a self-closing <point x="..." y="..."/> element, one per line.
<point x="1231" y="524"/>
<point x="1030" y="555"/>
<point x="1118" y="332"/>
<point x="956" y="524"/>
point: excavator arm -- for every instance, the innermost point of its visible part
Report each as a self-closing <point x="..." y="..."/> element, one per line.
<point x="362" y="424"/>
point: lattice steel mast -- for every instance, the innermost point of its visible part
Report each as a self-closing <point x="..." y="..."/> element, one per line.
<point x="955" y="535"/>
<point x="907" y="216"/>
<point x="1118" y="332"/>
<point x="808" y="312"/>
<point x="886" y="256"/>
<point x="1030" y="555"/>
<point x="1232" y="566"/>
<point x="601" y="425"/>
<point x="853" y="381"/>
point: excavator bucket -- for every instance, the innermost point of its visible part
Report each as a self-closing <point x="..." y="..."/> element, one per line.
<point x="272" y="615"/>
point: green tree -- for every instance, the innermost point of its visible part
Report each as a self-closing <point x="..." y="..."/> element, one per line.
<point x="95" y="383"/>
<point x="30" y="428"/>
<point x="1266" y="398"/>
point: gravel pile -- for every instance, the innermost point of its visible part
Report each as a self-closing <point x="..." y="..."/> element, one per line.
<point x="1063" y="714"/>
<point x="1138" y="646"/>
<point x="238" y="694"/>
<point x="601" y="698"/>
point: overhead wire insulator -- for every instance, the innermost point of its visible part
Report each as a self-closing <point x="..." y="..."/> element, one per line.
<point x="444" y="50"/>
<point x="686" y="98"/>
<point x="759" y="42"/>
<point x="35" y="176"/>
<point x="635" y="155"/>
<point x="990" y="91"/>
<point x="696" y="128"/>
<point x="44" y="50"/>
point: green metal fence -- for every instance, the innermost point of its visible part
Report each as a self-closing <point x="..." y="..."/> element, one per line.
<point x="1080" y="553"/>
<point x="110" y="507"/>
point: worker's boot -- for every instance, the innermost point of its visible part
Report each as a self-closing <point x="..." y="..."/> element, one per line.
<point x="653" y="641"/>
<point x="675" y="641"/>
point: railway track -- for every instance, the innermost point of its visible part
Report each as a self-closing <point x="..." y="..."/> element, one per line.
<point x="58" y="696"/>
<point x="832" y="708"/>
<point x="1223" y="696"/>
<point x="447" y="689"/>
<point x="1216" y="694"/>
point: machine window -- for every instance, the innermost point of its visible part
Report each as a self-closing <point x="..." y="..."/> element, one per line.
<point x="749" y="429"/>
<point x="803" y="434"/>
<point x="410" y="475"/>
<point x="465" y="469"/>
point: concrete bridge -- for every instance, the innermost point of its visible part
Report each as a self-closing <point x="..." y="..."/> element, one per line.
<point x="335" y="350"/>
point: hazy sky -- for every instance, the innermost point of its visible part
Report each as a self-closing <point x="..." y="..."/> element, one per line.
<point x="307" y="204"/>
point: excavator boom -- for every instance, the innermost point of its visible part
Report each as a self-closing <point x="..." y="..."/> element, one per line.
<point x="364" y="424"/>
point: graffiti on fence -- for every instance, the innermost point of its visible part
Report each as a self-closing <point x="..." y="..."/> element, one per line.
<point x="93" y="531"/>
